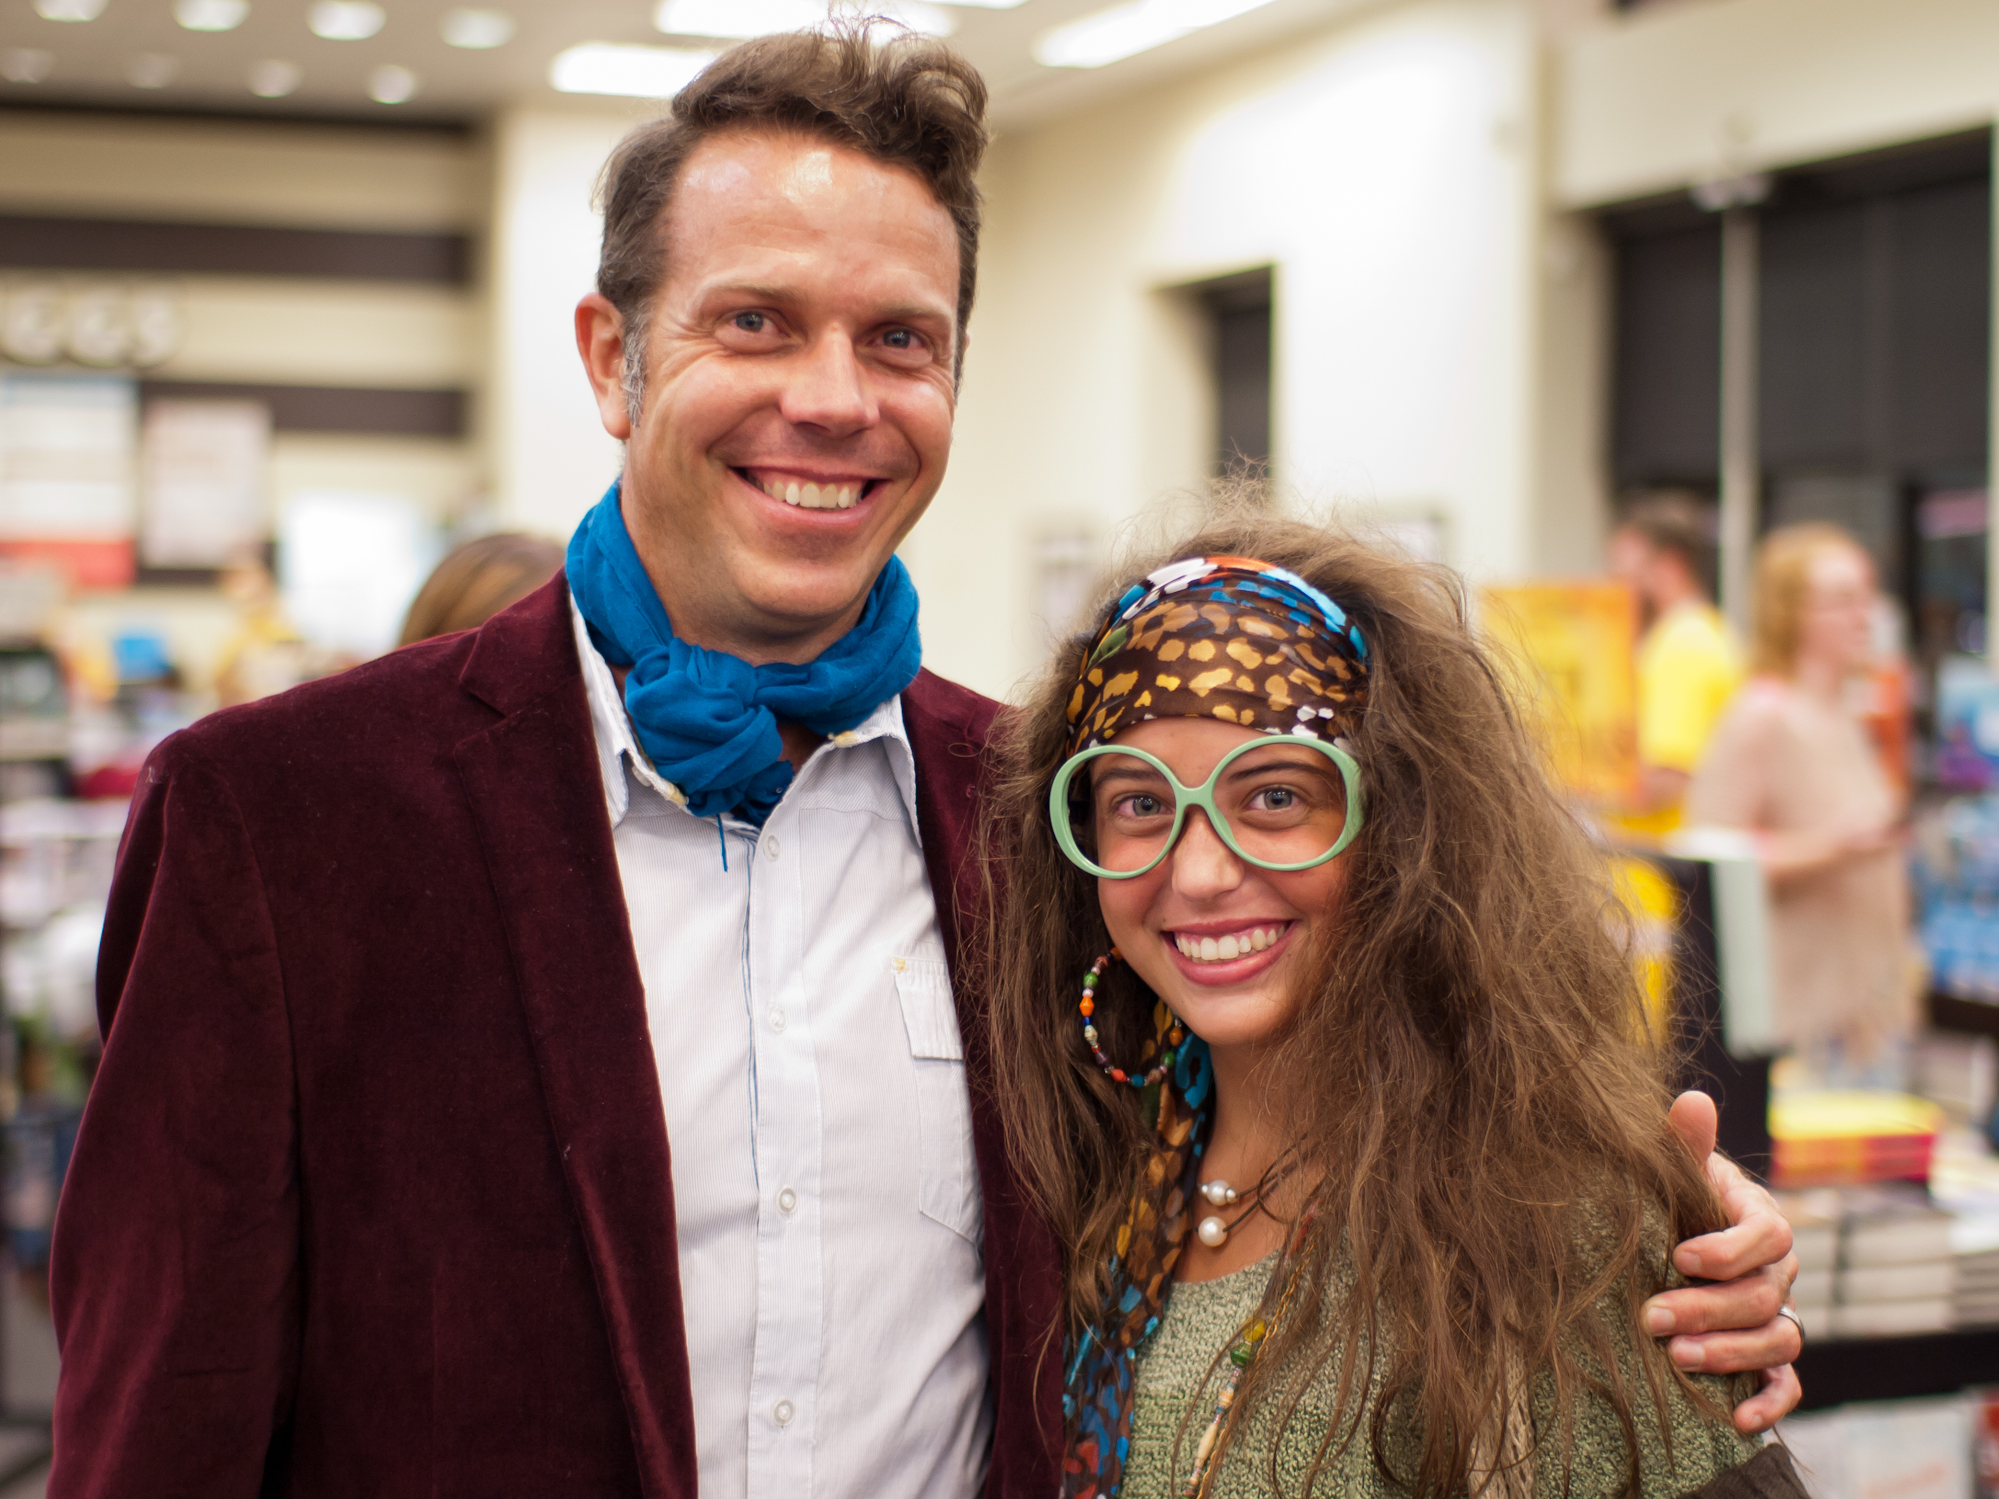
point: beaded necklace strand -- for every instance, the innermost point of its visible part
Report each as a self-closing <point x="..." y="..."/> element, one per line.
<point x="1248" y="1343"/>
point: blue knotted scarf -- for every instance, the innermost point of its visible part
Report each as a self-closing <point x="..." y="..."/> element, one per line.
<point x="708" y="720"/>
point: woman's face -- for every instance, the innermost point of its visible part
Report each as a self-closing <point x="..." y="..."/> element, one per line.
<point x="1837" y="627"/>
<point x="1217" y="938"/>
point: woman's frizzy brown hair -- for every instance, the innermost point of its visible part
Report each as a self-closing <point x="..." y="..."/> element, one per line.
<point x="1468" y="1065"/>
<point x="886" y="92"/>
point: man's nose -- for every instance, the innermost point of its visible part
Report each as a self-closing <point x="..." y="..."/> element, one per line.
<point x="1203" y="865"/>
<point x="827" y="387"/>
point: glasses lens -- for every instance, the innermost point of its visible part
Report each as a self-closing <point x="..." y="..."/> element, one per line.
<point x="1131" y="813"/>
<point x="1286" y="804"/>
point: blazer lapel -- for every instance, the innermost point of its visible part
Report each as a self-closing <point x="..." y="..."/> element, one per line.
<point x="948" y="728"/>
<point x="534" y="787"/>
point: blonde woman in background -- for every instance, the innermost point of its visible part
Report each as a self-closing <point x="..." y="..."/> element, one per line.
<point x="1792" y="763"/>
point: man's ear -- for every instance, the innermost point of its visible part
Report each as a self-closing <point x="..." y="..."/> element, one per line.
<point x="600" y="339"/>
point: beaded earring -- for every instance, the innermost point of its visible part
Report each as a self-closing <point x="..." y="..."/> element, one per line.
<point x="1087" y="1007"/>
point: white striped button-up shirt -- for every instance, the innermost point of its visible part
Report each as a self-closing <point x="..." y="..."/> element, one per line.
<point x="816" y="1110"/>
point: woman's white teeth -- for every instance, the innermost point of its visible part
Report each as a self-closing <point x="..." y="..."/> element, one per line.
<point x="1222" y="949"/>
<point x="814" y="496"/>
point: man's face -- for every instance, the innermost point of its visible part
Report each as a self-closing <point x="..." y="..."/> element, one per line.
<point x="799" y="391"/>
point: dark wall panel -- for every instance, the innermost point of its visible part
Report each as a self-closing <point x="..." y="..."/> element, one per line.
<point x="1940" y="311"/>
<point x="1666" y="407"/>
<point x="1813" y="342"/>
<point x="232" y="249"/>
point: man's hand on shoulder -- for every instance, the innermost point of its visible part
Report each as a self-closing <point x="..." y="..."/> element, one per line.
<point x="1733" y="1324"/>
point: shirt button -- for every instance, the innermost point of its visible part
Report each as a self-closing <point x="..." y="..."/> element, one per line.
<point x="777" y="1020"/>
<point x="786" y="1200"/>
<point x="771" y="846"/>
<point x="782" y="1412"/>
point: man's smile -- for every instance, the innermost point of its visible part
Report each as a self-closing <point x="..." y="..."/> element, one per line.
<point x="810" y="491"/>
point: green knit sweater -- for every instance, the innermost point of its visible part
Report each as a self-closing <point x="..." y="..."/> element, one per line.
<point x="1173" y="1377"/>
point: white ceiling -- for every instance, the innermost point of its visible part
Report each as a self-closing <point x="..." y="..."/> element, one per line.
<point x="93" y="60"/>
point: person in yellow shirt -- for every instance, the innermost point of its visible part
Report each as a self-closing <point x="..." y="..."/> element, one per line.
<point x="1689" y="663"/>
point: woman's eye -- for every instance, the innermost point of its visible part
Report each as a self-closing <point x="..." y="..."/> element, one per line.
<point x="1280" y="798"/>
<point x="1141" y="806"/>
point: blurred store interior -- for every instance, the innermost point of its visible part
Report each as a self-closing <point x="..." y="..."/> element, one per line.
<point x="285" y="298"/>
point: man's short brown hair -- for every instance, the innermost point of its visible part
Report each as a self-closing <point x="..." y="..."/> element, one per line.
<point x="1676" y="521"/>
<point x="904" y="99"/>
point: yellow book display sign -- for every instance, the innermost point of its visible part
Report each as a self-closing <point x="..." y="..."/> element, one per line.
<point x="1573" y="646"/>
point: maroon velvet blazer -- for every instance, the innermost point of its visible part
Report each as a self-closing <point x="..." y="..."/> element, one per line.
<point x="371" y="1197"/>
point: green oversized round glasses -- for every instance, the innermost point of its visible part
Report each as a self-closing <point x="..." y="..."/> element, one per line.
<point x="1281" y="802"/>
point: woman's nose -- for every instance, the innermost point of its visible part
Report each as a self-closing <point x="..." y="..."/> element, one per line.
<point x="1203" y="865"/>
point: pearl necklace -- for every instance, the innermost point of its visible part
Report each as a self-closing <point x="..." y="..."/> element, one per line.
<point x="1211" y="1231"/>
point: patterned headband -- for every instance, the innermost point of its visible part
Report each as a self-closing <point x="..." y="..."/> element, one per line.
<point x="1222" y="637"/>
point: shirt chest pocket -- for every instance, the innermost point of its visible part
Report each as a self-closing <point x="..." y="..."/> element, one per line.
<point x="947" y="1177"/>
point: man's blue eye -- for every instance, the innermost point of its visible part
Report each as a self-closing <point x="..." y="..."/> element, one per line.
<point x="750" y="322"/>
<point x="899" y="338"/>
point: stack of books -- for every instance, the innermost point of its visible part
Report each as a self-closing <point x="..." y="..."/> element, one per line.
<point x="1897" y="1274"/>
<point x="1841" y="1138"/>
<point x="1885" y="1261"/>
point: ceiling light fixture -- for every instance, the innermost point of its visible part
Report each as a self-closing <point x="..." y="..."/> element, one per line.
<point x="627" y="71"/>
<point x="26" y="64"/>
<point x="211" y="15"/>
<point x="477" y="29"/>
<point x="737" y="19"/>
<point x="1123" y="31"/>
<point x="273" y="78"/>
<point x="151" y="70"/>
<point x="69" y="10"/>
<point x="390" y="84"/>
<point x="345" y="20"/>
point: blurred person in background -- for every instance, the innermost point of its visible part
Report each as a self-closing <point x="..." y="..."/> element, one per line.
<point x="1689" y="664"/>
<point x="477" y="580"/>
<point x="1792" y="763"/>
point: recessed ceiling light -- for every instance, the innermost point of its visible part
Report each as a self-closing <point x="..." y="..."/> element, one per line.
<point x="478" y="28"/>
<point x="345" y="20"/>
<point x="273" y="78"/>
<point x="26" y="64"/>
<point x="390" y="84"/>
<point x="1107" y="36"/>
<point x="211" y="15"/>
<point x="628" y="71"/>
<point x="152" y="70"/>
<point x="746" y="18"/>
<point x="69" y="10"/>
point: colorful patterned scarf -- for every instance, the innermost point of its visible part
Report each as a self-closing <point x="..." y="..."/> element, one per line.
<point x="1097" y="1387"/>
<point x="1221" y="637"/>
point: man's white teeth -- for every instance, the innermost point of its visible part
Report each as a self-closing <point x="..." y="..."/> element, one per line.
<point x="1222" y="949"/>
<point x="814" y="496"/>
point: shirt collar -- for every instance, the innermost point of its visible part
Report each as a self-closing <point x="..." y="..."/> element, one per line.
<point x="618" y="746"/>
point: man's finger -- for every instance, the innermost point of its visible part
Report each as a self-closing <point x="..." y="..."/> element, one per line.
<point x="1741" y="1305"/>
<point x="1693" y="1115"/>
<point x="1776" y="1342"/>
<point x="1759" y="1240"/>
<point x="1779" y="1396"/>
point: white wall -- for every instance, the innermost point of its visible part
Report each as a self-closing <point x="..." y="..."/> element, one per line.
<point x="1385" y="168"/>
<point x="1672" y="94"/>
<point x="550" y="456"/>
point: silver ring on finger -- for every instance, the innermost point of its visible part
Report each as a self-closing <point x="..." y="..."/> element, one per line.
<point x="1796" y="1321"/>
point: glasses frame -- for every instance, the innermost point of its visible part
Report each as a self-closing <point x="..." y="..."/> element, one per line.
<point x="1203" y="797"/>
